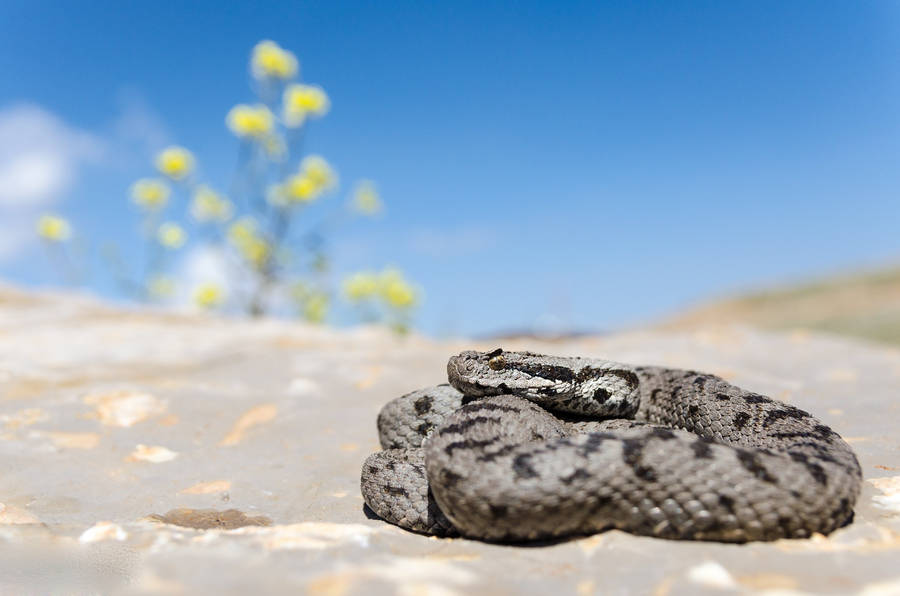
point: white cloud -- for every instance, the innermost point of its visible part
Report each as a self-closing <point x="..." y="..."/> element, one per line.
<point x="33" y="178"/>
<point x="202" y="265"/>
<point x="206" y="264"/>
<point x="40" y="156"/>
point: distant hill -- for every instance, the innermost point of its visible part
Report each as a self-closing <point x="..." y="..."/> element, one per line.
<point x="862" y="304"/>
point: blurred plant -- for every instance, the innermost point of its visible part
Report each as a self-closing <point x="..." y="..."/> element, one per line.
<point x="387" y="296"/>
<point x="208" y="295"/>
<point x="53" y="228"/>
<point x="56" y="235"/>
<point x="253" y="228"/>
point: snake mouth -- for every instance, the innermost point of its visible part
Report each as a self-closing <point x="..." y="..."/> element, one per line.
<point x="464" y="368"/>
<point x="483" y="373"/>
<point x="493" y="373"/>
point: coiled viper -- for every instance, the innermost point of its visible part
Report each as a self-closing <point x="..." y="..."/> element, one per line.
<point x="649" y="450"/>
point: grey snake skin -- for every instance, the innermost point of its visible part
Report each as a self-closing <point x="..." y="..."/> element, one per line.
<point x="654" y="451"/>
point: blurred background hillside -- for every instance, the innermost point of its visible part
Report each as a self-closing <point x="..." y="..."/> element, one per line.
<point x="544" y="167"/>
<point x="864" y="305"/>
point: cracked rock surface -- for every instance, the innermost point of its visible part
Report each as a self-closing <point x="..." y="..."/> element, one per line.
<point x="147" y="452"/>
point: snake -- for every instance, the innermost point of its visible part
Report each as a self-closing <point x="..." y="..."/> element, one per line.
<point x="521" y="447"/>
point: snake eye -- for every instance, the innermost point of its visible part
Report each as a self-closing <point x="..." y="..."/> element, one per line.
<point x="497" y="363"/>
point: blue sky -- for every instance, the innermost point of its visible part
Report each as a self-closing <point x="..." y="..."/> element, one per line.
<point x="557" y="164"/>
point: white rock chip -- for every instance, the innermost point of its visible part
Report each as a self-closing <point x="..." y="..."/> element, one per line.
<point x="711" y="575"/>
<point x="102" y="531"/>
<point x="153" y="454"/>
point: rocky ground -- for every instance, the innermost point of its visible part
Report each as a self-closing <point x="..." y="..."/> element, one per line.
<point x="148" y="452"/>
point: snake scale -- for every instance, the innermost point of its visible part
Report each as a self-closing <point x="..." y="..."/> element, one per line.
<point x="523" y="447"/>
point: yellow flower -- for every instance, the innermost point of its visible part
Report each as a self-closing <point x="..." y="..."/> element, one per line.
<point x="250" y="121"/>
<point x="269" y="60"/>
<point x="360" y="285"/>
<point x="366" y="199"/>
<point x="319" y="172"/>
<point x="300" y="100"/>
<point x="150" y="194"/>
<point x="314" y="178"/>
<point x="315" y="307"/>
<point x="161" y="287"/>
<point x="395" y="290"/>
<point x="301" y="189"/>
<point x="208" y="295"/>
<point x="242" y="230"/>
<point x="207" y="205"/>
<point x="175" y="162"/>
<point x="243" y="235"/>
<point x="171" y="235"/>
<point x="400" y="295"/>
<point x="256" y="251"/>
<point x="53" y="228"/>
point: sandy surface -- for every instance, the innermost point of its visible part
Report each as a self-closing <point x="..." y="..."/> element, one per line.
<point x="110" y="420"/>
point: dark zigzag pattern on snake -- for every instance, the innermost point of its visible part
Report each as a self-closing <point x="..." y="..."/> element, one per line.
<point x="689" y="455"/>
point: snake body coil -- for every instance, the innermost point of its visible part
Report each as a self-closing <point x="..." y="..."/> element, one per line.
<point x="653" y="451"/>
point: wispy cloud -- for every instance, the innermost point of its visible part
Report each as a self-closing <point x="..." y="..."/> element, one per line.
<point x="40" y="156"/>
<point x="463" y="240"/>
<point x="40" y="159"/>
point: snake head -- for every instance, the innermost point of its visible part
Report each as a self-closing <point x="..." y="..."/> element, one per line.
<point x="499" y="372"/>
<point x="576" y="385"/>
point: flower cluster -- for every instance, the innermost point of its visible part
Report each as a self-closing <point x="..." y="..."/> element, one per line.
<point x="269" y="60"/>
<point x="153" y="196"/>
<point x="313" y="178"/>
<point x="245" y="237"/>
<point x="302" y="101"/>
<point x="312" y="302"/>
<point x="171" y="235"/>
<point x="386" y="294"/>
<point x="273" y="66"/>
<point x="389" y="285"/>
<point x="254" y="229"/>
<point x="150" y="194"/>
<point x="208" y="206"/>
<point x="175" y="162"/>
<point x="254" y="122"/>
<point x="208" y="295"/>
<point x="53" y="228"/>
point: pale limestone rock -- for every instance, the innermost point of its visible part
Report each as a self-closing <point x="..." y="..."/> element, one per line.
<point x="262" y="426"/>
